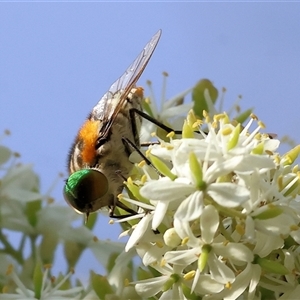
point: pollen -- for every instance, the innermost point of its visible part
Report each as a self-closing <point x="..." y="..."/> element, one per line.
<point x="228" y="285"/>
<point x="226" y="131"/>
<point x="88" y="134"/>
<point x="9" y="269"/>
<point x="261" y="124"/>
<point x="190" y="275"/>
<point x="126" y="282"/>
<point x="159" y="244"/>
<point x="170" y="134"/>
<point x="142" y="164"/>
<point x="184" y="240"/>
<point x="254" y="117"/>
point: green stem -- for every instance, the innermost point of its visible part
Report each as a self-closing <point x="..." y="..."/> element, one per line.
<point x="33" y="247"/>
<point x="225" y="233"/>
<point x="227" y="212"/>
<point x="8" y="249"/>
<point x="22" y="243"/>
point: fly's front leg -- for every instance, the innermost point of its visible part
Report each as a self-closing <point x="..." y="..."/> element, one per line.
<point x="117" y="203"/>
<point x="124" y="207"/>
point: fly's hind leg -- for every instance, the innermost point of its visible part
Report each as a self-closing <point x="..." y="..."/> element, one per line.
<point x="131" y="144"/>
<point x="134" y="111"/>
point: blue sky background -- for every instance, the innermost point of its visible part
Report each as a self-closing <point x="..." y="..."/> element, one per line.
<point x="58" y="59"/>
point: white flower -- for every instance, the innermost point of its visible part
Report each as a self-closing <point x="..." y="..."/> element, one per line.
<point x="120" y="273"/>
<point x="139" y="231"/>
<point x="19" y="186"/>
<point x="169" y="283"/>
<point x="221" y="214"/>
<point x="189" y="189"/>
<point x="291" y="294"/>
<point x="44" y="288"/>
<point x="248" y="278"/>
<point x="20" y="183"/>
<point x="171" y="113"/>
<point x="208" y="249"/>
<point x="5" y="154"/>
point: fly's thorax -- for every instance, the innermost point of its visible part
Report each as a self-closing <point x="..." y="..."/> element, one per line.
<point x="109" y="103"/>
<point x="111" y="154"/>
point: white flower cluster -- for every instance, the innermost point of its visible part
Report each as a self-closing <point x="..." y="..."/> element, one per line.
<point x="43" y="287"/>
<point x="218" y="215"/>
<point x="47" y="225"/>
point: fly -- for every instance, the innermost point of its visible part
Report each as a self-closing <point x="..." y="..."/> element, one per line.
<point x="98" y="161"/>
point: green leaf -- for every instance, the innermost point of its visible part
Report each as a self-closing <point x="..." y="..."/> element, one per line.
<point x="48" y="246"/>
<point x="271" y="266"/>
<point x="241" y="118"/>
<point x="162" y="167"/>
<point x="143" y="274"/>
<point x="5" y="154"/>
<point x="147" y="107"/>
<point x="66" y="285"/>
<point x="91" y="221"/>
<point x="101" y="285"/>
<point x="73" y="251"/>
<point x="271" y="212"/>
<point x="200" y="103"/>
<point x="31" y="210"/>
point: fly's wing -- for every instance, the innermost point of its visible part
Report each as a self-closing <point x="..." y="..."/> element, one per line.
<point x="123" y="85"/>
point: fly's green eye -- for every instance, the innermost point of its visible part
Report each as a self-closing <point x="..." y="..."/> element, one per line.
<point x="83" y="188"/>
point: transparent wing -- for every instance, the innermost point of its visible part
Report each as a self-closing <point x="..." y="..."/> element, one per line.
<point x="124" y="84"/>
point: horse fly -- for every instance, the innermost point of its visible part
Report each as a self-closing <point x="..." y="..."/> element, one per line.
<point x="98" y="161"/>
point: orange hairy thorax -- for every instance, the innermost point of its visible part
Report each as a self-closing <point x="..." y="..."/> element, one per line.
<point x="89" y="133"/>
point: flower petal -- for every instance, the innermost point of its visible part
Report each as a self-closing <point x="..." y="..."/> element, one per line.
<point x="182" y="257"/>
<point x="191" y="208"/>
<point x="150" y="287"/>
<point x="159" y="213"/>
<point x="207" y="285"/>
<point x="209" y="223"/>
<point x="166" y="190"/>
<point x="219" y="271"/>
<point x="228" y="194"/>
<point x="139" y="231"/>
<point x="234" y="251"/>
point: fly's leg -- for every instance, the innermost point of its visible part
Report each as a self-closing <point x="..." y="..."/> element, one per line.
<point x="128" y="144"/>
<point x="124" y="207"/>
<point x="114" y="202"/>
<point x="149" y="118"/>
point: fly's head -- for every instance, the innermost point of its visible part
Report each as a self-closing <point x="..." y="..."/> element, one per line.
<point x="87" y="191"/>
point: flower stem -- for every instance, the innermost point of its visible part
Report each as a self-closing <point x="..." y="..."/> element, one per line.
<point x="8" y="249"/>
